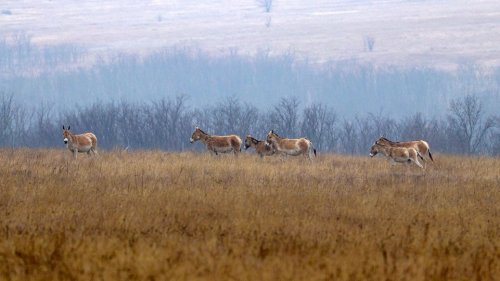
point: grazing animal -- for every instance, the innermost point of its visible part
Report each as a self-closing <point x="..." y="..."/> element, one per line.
<point x="396" y="154"/>
<point x="263" y="148"/>
<point x="217" y="144"/>
<point x="419" y="145"/>
<point x="292" y="147"/>
<point x="86" y="142"/>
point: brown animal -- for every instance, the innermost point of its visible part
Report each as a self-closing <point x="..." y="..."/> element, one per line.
<point x="419" y="145"/>
<point x="86" y="142"/>
<point x="292" y="147"/>
<point x="217" y="144"/>
<point x="396" y="154"/>
<point x="263" y="148"/>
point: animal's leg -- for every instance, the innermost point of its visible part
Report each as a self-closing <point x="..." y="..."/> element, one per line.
<point x="424" y="161"/>
<point x="282" y="157"/>
<point x="312" y="153"/>
<point x="417" y="163"/>
<point x="75" y="152"/>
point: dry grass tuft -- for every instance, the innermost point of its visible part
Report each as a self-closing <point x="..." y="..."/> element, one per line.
<point x="155" y="215"/>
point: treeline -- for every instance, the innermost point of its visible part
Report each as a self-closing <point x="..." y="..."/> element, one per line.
<point x="66" y="75"/>
<point x="19" y="57"/>
<point x="167" y="124"/>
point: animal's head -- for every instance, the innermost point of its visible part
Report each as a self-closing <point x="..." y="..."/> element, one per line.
<point x="272" y="137"/>
<point x="196" y="135"/>
<point x="66" y="134"/>
<point x="375" y="148"/>
<point x="248" y="141"/>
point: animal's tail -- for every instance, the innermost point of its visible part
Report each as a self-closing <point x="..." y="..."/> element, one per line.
<point x="430" y="155"/>
<point x="312" y="148"/>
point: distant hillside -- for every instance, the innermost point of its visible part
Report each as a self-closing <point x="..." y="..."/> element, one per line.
<point x="443" y="33"/>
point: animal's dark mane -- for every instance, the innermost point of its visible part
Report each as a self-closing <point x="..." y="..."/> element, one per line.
<point x="388" y="140"/>
<point x="254" y="140"/>
<point x="276" y="134"/>
<point x="203" y="132"/>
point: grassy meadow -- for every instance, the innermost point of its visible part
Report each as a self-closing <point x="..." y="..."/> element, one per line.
<point x="154" y="215"/>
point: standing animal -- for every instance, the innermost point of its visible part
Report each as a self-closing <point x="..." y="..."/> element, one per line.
<point x="217" y="144"/>
<point x="396" y="154"/>
<point x="292" y="147"/>
<point x="419" y="145"/>
<point x="86" y="142"/>
<point x="263" y="148"/>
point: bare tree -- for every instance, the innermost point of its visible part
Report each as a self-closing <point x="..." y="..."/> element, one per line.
<point x="414" y="127"/>
<point x="166" y="119"/>
<point x="49" y="134"/>
<point x="318" y="124"/>
<point x="131" y="125"/>
<point x="266" y="4"/>
<point x="348" y="137"/>
<point x="369" y="43"/>
<point x="494" y="138"/>
<point x="284" y="117"/>
<point x="467" y="124"/>
<point x="226" y="116"/>
<point x="6" y="118"/>
<point x="372" y="127"/>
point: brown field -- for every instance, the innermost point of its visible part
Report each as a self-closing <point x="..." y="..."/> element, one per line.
<point x="155" y="215"/>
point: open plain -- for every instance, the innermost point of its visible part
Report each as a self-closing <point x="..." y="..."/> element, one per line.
<point x="154" y="215"/>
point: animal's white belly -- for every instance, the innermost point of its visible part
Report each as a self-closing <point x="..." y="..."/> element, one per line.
<point x="292" y="152"/>
<point x="401" y="159"/>
<point x="223" y="149"/>
<point x="83" y="148"/>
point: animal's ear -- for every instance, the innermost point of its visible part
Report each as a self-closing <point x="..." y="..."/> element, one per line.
<point x="63" y="127"/>
<point x="69" y="127"/>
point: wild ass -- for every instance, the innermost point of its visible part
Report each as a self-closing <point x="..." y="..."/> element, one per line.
<point x="263" y="148"/>
<point x="86" y="142"/>
<point x="396" y="154"/>
<point x="292" y="147"/>
<point x="419" y="145"/>
<point x="217" y="144"/>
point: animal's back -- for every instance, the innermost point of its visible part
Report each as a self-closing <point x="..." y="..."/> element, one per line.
<point x="92" y="137"/>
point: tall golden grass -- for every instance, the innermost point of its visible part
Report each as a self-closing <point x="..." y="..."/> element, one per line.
<point x="154" y="215"/>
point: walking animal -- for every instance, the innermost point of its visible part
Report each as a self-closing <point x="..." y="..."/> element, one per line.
<point x="263" y="148"/>
<point x="419" y="145"/>
<point x="396" y="154"/>
<point x="217" y="144"/>
<point x="86" y="142"/>
<point x="294" y="147"/>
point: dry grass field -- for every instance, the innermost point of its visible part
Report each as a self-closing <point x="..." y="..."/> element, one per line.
<point x="154" y="215"/>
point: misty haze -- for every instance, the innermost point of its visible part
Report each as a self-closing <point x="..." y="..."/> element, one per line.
<point x="332" y="71"/>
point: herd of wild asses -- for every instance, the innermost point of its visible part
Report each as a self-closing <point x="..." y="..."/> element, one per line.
<point x="398" y="152"/>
